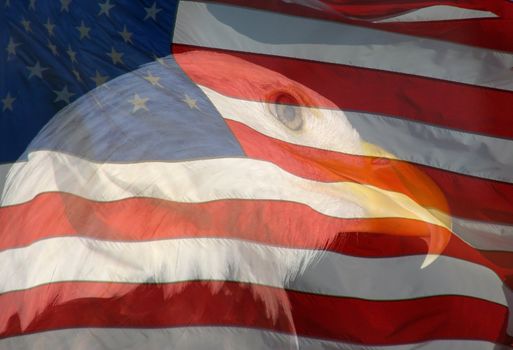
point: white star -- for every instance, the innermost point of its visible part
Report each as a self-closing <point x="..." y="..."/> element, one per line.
<point x="72" y="54"/>
<point x="7" y="102"/>
<point x="64" y="95"/>
<point x="84" y="30"/>
<point x="151" y="12"/>
<point x="52" y="48"/>
<point x="76" y="74"/>
<point x="160" y="60"/>
<point x="36" y="70"/>
<point x="191" y="102"/>
<point x="138" y="103"/>
<point x="126" y="35"/>
<point x="11" y="46"/>
<point x="65" y="5"/>
<point x="32" y="5"/>
<point x="99" y="79"/>
<point x="153" y="80"/>
<point x="115" y="56"/>
<point x="105" y="8"/>
<point x="49" y="26"/>
<point x="26" y="25"/>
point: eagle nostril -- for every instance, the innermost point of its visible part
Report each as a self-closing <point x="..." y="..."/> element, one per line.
<point x="380" y="161"/>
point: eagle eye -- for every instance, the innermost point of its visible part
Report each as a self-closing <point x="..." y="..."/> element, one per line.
<point x="286" y="111"/>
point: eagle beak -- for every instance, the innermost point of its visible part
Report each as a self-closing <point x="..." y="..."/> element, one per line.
<point x="428" y="202"/>
<point x="438" y="239"/>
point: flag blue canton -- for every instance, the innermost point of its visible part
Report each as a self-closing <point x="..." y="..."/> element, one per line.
<point x="154" y="113"/>
<point x="57" y="51"/>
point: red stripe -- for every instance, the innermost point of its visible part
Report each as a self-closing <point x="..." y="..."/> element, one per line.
<point x="474" y="197"/>
<point x="451" y="105"/>
<point x="490" y="33"/>
<point x="487" y="201"/>
<point x="269" y="222"/>
<point x="71" y="305"/>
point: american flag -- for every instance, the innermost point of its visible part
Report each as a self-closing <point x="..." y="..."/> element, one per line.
<point x="286" y="174"/>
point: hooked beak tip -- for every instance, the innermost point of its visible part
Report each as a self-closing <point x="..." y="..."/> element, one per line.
<point x="428" y="260"/>
<point x="439" y="239"/>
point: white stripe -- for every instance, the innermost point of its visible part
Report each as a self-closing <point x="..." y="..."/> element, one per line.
<point x="203" y="181"/>
<point x="460" y="152"/>
<point x="208" y="338"/>
<point x="4" y="170"/>
<point x="438" y="13"/>
<point x="232" y="28"/>
<point x="486" y="236"/>
<point x="178" y="260"/>
<point x="314" y="4"/>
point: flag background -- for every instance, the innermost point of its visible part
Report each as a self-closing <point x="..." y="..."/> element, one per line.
<point x="256" y="175"/>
